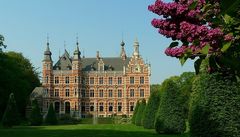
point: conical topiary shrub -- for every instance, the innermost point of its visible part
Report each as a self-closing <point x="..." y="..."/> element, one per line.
<point x="11" y="115"/>
<point x="51" y="118"/>
<point x="35" y="117"/>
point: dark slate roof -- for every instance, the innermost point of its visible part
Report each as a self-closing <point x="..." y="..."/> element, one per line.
<point x="64" y="62"/>
<point x="37" y="92"/>
<point x="91" y="64"/>
<point x="110" y="63"/>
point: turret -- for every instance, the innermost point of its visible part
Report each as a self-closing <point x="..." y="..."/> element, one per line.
<point x="123" y="53"/>
<point x="47" y="61"/>
<point x="76" y="62"/>
<point x="136" y="49"/>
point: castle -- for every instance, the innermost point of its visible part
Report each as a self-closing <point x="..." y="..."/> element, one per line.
<point x="100" y="86"/>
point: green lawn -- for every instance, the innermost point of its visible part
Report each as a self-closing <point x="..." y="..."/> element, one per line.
<point x="83" y="130"/>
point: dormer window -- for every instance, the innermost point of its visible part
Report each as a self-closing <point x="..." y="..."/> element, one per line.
<point x="101" y="65"/>
<point x="69" y="67"/>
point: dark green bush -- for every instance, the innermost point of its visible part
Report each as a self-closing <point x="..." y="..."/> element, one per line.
<point x="67" y="119"/>
<point x="151" y="109"/>
<point x="35" y="116"/>
<point x="135" y="113"/>
<point x="215" y="107"/>
<point x="51" y="118"/>
<point x="170" y="117"/>
<point x="11" y="115"/>
<point x="140" y="113"/>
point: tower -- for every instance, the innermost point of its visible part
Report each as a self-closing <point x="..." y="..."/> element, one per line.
<point x="47" y="75"/>
<point x="76" y="74"/>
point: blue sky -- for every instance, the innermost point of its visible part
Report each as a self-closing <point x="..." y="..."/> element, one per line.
<point x="100" y="25"/>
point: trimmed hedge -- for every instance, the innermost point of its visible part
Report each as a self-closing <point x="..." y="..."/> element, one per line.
<point x="51" y="117"/>
<point x="135" y="112"/>
<point x="35" y="116"/>
<point x="151" y="109"/>
<point x="215" y="107"/>
<point x="11" y="115"/>
<point x="140" y="113"/>
<point x="170" y="117"/>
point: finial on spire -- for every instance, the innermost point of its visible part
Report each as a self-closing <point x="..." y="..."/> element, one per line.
<point x="77" y="40"/>
<point x="47" y="39"/>
<point x="98" y="55"/>
<point x="64" y="45"/>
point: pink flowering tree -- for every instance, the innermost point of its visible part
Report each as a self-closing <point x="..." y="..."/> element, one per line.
<point x="201" y="30"/>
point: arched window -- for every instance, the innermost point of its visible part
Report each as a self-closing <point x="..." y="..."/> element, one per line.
<point x="57" y="107"/>
<point x="67" y="107"/>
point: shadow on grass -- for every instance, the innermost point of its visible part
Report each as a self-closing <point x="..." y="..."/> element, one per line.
<point x="78" y="132"/>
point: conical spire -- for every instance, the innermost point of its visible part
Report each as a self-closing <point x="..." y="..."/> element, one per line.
<point x="123" y="53"/>
<point x="47" y="52"/>
<point x="136" y="48"/>
<point x="77" y="53"/>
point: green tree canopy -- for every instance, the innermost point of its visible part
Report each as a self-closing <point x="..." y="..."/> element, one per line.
<point x="140" y="113"/>
<point x="170" y="117"/>
<point x="17" y="75"/>
<point x="215" y="106"/>
<point x="135" y="112"/>
<point x="151" y="109"/>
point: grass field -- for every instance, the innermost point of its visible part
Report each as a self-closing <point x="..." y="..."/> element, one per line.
<point x="83" y="130"/>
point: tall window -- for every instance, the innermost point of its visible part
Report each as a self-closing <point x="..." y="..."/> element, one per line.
<point x="46" y="79"/>
<point x="131" y="92"/>
<point x="83" y="93"/>
<point x="83" y="80"/>
<point x="67" y="80"/>
<point x="57" y="107"/>
<point x="91" y="93"/>
<point x="75" y="79"/>
<point x="67" y="92"/>
<point x="141" y="92"/>
<point x="100" y="93"/>
<point x="119" y="80"/>
<point x="141" y="80"/>
<point x="119" y="106"/>
<point x="83" y="106"/>
<point x="101" y="107"/>
<point x="56" y="80"/>
<point x="101" y="80"/>
<point x="131" y="106"/>
<point x="56" y="92"/>
<point x="91" y="80"/>
<point x="110" y="107"/>
<point x="131" y="80"/>
<point x="119" y="93"/>
<point x="91" y="106"/>
<point x="110" y="80"/>
<point x="110" y="93"/>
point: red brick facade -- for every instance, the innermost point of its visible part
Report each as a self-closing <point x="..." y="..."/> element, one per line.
<point x="89" y="86"/>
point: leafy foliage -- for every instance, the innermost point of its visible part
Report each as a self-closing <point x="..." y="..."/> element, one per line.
<point x="215" y="107"/>
<point x="18" y="76"/>
<point x="135" y="112"/>
<point x="151" y="109"/>
<point x="1" y="43"/>
<point x="208" y="30"/>
<point x="51" y="117"/>
<point x="170" y="117"/>
<point x="140" y="113"/>
<point x="11" y="115"/>
<point x="35" y="117"/>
